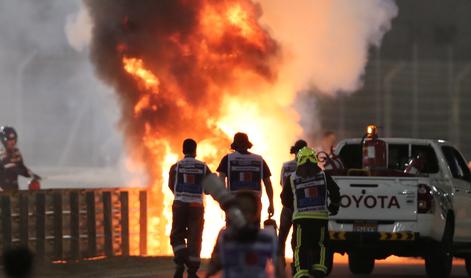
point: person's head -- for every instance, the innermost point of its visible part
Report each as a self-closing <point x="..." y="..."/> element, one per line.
<point x="249" y="204"/>
<point x="297" y="146"/>
<point x="241" y="142"/>
<point x="18" y="262"/>
<point x="306" y="160"/>
<point x="9" y="137"/>
<point x="189" y="147"/>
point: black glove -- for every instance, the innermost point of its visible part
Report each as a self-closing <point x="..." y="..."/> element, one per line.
<point x="334" y="208"/>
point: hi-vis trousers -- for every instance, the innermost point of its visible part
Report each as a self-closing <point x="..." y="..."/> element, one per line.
<point x="310" y="247"/>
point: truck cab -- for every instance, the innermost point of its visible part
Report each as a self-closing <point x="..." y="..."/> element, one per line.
<point x="394" y="210"/>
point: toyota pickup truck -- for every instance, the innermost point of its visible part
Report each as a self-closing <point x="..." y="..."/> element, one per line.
<point x="390" y="211"/>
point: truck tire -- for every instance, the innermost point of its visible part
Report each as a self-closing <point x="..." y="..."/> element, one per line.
<point x="439" y="261"/>
<point x="467" y="261"/>
<point x="360" y="263"/>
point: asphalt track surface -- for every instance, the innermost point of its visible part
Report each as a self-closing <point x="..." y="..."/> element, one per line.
<point x="162" y="267"/>
<point x="414" y="269"/>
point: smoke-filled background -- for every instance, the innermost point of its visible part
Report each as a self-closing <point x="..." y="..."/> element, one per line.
<point x="64" y="83"/>
<point x="204" y="69"/>
<point x="65" y="116"/>
<point x="207" y="69"/>
<point x="68" y="119"/>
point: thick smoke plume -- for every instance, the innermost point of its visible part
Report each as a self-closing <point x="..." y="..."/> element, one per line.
<point x="326" y="43"/>
<point x="64" y="115"/>
<point x="209" y="68"/>
<point x="174" y="64"/>
<point x="325" y="47"/>
<point x="196" y="62"/>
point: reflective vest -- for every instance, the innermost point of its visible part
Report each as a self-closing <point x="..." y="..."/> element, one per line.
<point x="310" y="197"/>
<point x="190" y="173"/>
<point x="245" y="172"/>
<point x="288" y="168"/>
<point x="247" y="259"/>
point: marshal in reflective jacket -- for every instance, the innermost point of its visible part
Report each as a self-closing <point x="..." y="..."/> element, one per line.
<point x="245" y="171"/>
<point x="189" y="175"/>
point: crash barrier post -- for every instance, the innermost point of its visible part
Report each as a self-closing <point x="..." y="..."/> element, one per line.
<point x="65" y="225"/>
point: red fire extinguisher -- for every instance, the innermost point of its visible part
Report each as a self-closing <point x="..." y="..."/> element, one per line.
<point x="373" y="149"/>
<point x="34" y="184"/>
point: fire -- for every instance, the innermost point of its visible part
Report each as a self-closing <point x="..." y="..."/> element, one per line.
<point x="238" y="115"/>
<point x="136" y="68"/>
<point x="239" y="17"/>
<point x="199" y="69"/>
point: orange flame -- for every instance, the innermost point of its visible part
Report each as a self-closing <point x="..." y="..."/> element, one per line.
<point x="136" y="68"/>
<point x="246" y="102"/>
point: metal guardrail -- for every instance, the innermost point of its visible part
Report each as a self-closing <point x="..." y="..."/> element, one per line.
<point x="74" y="224"/>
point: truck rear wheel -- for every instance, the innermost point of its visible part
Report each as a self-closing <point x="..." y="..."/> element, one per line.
<point x="467" y="261"/>
<point x="439" y="261"/>
<point x="438" y="264"/>
<point x="360" y="263"/>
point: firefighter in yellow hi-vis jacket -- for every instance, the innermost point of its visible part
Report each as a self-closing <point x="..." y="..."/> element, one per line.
<point x="306" y="192"/>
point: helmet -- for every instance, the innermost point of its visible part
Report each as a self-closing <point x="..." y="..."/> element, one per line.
<point x="306" y="154"/>
<point x="7" y="133"/>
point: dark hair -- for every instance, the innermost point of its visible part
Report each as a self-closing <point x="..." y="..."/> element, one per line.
<point x="241" y="142"/>
<point x="297" y="146"/>
<point x="18" y="262"/>
<point x="189" y="146"/>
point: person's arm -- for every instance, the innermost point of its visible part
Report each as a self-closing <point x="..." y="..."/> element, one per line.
<point x="3" y="157"/>
<point x="22" y="170"/>
<point x="222" y="169"/>
<point x="282" y="175"/>
<point x="287" y="197"/>
<point x="171" y="177"/>
<point x="268" y="188"/>
<point x="208" y="172"/>
<point x="334" y="195"/>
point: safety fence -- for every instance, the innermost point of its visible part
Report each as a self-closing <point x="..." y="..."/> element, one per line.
<point x="62" y="225"/>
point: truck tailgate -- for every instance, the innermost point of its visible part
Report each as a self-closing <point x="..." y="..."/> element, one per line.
<point x="377" y="198"/>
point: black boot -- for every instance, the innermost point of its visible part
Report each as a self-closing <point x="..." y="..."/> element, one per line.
<point x="293" y="269"/>
<point x="317" y="274"/>
<point x="192" y="274"/>
<point x="192" y="270"/>
<point x="180" y="269"/>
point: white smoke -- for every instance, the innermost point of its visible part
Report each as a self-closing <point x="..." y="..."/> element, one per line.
<point x="79" y="29"/>
<point x="326" y="42"/>
<point x="325" y="47"/>
<point x="65" y="117"/>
